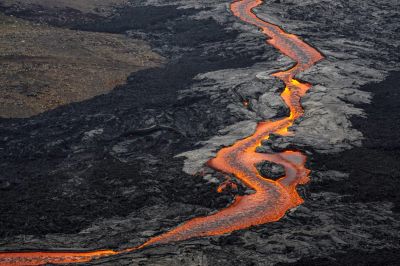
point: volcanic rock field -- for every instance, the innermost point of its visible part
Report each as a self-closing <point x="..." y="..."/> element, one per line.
<point x="110" y="111"/>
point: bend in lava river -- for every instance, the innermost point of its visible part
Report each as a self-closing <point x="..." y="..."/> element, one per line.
<point x="271" y="200"/>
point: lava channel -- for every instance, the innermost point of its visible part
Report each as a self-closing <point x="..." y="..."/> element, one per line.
<point x="271" y="200"/>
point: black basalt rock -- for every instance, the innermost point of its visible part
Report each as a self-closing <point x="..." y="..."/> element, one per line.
<point x="271" y="170"/>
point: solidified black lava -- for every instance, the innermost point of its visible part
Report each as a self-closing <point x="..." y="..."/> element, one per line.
<point x="385" y="257"/>
<point x="91" y="164"/>
<point x="71" y="166"/>
<point x="374" y="168"/>
<point x="271" y="170"/>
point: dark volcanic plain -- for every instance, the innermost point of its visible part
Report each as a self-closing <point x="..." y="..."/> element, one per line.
<point x="104" y="172"/>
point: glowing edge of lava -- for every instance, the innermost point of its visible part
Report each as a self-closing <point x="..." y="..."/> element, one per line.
<point x="272" y="198"/>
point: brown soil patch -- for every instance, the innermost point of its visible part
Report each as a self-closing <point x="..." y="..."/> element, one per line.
<point x="86" y="6"/>
<point x="44" y="67"/>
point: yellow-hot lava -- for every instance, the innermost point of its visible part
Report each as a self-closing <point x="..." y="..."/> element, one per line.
<point x="271" y="200"/>
<point x="50" y="257"/>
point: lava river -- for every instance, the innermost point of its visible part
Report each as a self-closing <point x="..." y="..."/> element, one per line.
<point x="271" y="200"/>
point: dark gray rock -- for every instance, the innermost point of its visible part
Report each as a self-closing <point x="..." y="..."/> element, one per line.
<point x="4" y="185"/>
<point x="271" y="170"/>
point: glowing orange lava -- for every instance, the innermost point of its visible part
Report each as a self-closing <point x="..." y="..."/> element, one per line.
<point x="49" y="257"/>
<point x="271" y="200"/>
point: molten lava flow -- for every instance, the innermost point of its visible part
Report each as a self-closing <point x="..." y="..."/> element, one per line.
<point x="47" y="257"/>
<point x="271" y="200"/>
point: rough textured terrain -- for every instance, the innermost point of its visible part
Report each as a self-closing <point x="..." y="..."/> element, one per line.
<point x="107" y="173"/>
<point x="102" y="7"/>
<point x="44" y="67"/>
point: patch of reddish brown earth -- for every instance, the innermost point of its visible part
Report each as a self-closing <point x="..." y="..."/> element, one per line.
<point x="44" y="67"/>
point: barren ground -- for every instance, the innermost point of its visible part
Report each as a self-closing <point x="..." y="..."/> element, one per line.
<point x="44" y="67"/>
<point x="116" y="169"/>
<point x="86" y="6"/>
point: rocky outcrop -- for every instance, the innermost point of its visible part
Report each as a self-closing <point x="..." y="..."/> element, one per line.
<point x="271" y="170"/>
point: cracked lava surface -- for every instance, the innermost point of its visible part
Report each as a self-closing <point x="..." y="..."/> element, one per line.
<point x="271" y="200"/>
